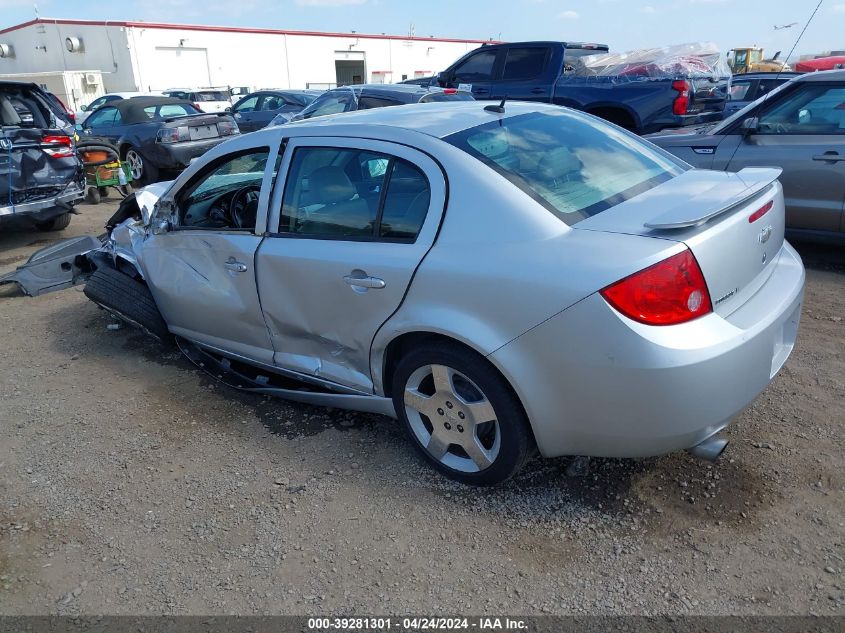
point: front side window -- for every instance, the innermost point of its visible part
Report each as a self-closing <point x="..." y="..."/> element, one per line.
<point x="272" y="102"/>
<point x="106" y="117"/>
<point x="574" y="166"/>
<point x="813" y="109"/>
<point x="479" y="67"/>
<point x="341" y="193"/>
<point x="247" y="105"/>
<point x="226" y="195"/>
<point x="525" y="62"/>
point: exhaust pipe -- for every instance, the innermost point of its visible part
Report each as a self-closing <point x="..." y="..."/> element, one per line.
<point x="709" y="449"/>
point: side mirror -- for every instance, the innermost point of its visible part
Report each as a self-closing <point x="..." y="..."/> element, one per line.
<point x="78" y="127"/>
<point x="84" y="108"/>
<point x="160" y="225"/>
<point x="750" y="125"/>
<point x="229" y="109"/>
<point x="442" y="79"/>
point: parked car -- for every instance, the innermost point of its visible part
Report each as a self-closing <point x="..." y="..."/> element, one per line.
<point x="256" y="110"/>
<point x="644" y="91"/>
<point x="798" y="127"/>
<point x="157" y="133"/>
<point x="204" y="99"/>
<point x="368" y="96"/>
<point x="41" y="177"/>
<point x="563" y="299"/>
<point x="85" y="110"/>
<point x="751" y="86"/>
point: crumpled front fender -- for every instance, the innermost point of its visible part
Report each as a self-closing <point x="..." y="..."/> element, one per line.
<point x="55" y="267"/>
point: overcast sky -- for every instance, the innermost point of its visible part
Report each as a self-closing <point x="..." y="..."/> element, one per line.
<point x="623" y="24"/>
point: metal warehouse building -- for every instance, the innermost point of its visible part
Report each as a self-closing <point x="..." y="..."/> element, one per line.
<point x="80" y="59"/>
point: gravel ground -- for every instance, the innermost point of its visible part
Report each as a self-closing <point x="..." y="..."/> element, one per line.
<point x="131" y="483"/>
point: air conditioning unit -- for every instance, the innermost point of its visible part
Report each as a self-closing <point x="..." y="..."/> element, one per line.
<point x="6" y="50"/>
<point x="91" y="79"/>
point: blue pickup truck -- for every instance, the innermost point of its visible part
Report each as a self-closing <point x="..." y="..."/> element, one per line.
<point x="644" y="91"/>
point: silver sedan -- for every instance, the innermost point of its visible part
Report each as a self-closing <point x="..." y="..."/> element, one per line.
<point x="499" y="279"/>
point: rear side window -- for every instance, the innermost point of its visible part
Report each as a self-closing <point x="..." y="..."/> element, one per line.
<point x="369" y="102"/>
<point x="739" y="90"/>
<point x="525" y="62"/>
<point x="572" y="165"/>
<point x="329" y="103"/>
<point x="341" y="193"/>
<point x="477" y="68"/>
<point x="212" y="95"/>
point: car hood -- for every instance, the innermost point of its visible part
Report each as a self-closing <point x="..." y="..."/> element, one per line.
<point x="148" y="196"/>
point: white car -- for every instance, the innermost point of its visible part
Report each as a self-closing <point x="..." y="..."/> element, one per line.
<point x="83" y="113"/>
<point x="205" y="99"/>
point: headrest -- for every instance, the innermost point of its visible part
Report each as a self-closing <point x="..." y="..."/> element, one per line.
<point x="558" y="163"/>
<point x="8" y="114"/>
<point x="330" y="184"/>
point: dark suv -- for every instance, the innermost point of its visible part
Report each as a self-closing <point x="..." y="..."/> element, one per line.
<point x="40" y="175"/>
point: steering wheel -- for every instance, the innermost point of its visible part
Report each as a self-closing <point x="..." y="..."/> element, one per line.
<point x="243" y="207"/>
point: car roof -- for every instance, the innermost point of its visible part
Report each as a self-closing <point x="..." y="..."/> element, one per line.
<point x="132" y="110"/>
<point x="546" y="43"/>
<point x="438" y="119"/>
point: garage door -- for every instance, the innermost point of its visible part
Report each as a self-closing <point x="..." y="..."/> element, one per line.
<point x="178" y="67"/>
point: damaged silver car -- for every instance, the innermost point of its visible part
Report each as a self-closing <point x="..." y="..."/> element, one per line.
<point x="500" y="278"/>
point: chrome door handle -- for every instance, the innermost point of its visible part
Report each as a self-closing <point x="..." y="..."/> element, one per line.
<point x="235" y="266"/>
<point x="833" y="157"/>
<point x="364" y="282"/>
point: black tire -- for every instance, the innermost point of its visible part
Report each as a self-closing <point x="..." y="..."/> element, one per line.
<point x="56" y="224"/>
<point x="516" y="439"/>
<point x="92" y="196"/>
<point x="148" y="172"/>
<point x="104" y="192"/>
<point x="127" y="298"/>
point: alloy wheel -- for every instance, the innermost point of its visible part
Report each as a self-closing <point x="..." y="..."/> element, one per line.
<point x="136" y="164"/>
<point x="452" y="419"/>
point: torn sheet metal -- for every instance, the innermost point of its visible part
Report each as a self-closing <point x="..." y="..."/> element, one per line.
<point x="57" y="266"/>
<point x="700" y="59"/>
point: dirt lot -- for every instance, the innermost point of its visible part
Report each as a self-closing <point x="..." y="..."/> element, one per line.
<point x="131" y="483"/>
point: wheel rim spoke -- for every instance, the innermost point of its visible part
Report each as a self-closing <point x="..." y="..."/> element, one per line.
<point x="477" y="453"/>
<point x="419" y="402"/>
<point x="437" y="446"/>
<point x="442" y="376"/>
<point x="481" y="412"/>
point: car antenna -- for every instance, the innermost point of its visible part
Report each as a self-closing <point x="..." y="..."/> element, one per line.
<point x="498" y="109"/>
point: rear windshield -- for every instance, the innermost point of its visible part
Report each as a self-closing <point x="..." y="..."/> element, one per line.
<point x="212" y="95"/>
<point x="574" y="165"/>
<point x="170" y="110"/>
<point x="442" y="95"/>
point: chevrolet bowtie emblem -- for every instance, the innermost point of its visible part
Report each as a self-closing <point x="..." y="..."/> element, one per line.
<point x="764" y="235"/>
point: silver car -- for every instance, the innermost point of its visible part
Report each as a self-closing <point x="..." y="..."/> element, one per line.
<point x="798" y="127"/>
<point x="497" y="278"/>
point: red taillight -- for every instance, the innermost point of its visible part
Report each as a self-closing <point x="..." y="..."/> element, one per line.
<point x="57" y="146"/>
<point x="669" y="292"/>
<point x="197" y="106"/>
<point x="759" y="213"/>
<point x="449" y="91"/>
<point x="681" y="102"/>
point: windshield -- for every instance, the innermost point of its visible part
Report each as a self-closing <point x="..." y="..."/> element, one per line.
<point x="743" y="113"/>
<point x="575" y="166"/>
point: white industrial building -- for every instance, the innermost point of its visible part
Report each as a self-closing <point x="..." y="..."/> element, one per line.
<point x="81" y="59"/>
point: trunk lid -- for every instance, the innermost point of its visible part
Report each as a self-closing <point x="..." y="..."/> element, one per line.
<point x="200" y="126"/>
<point x="711" y="213"/>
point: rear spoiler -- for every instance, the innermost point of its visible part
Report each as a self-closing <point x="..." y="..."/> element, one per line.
<point x="190" y="116"/>
<point x="698" y="209"/>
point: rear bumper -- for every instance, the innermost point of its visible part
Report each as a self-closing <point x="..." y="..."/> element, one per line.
<point x="43" y="210"/>
<point x="686" y="120"/>
<point x="596" y="383"/>
<point x="179" y="155"/>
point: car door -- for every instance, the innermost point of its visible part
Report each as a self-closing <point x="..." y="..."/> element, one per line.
<point x="201" y="271"/>
<point x="246" y="111"/>
<point x="802" y="131"/>
<point x="354" y="221"/>
<point x="524" y="74"/>
<point x="477" y="73"/>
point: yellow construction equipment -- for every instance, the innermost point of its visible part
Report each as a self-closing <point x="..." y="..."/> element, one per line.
<point x="750" y="60"/>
